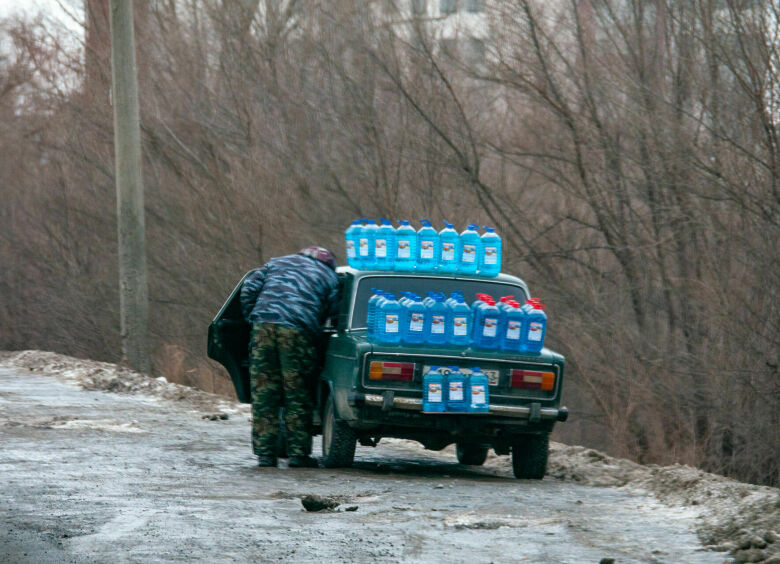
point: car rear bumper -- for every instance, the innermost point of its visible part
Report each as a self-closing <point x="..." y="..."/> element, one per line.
<point x="533" y="412"/>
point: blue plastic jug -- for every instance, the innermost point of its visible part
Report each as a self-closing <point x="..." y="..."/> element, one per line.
<point x="470" y="247"/>
<point x="490" y="255"/>
<point x="366" y="245"/>
<point x="459" y="333"/>
<point x="488" y="324"/>
<point x="433" y="391"/>
<point x="456" y="400"/>
<point x="371" y="311"/>
<point x="414" y="329"/>
<point x="479" y="391"/>
<point x="406" y="247"/>
<point x="429" y="247"/>
<point x="535" y="328"/>
<point x="514" y="317"/>
<point x="449" y="240"/>
<point x="440" y="318"/>
<point x="384" y="245"/>
<point x="352" y="237"/>
<point x="390" y="319"/>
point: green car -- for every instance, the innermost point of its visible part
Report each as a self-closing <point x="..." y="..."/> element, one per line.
<point x="360" y="397"/>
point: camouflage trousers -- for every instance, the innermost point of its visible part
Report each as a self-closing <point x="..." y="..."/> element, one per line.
<point x="281" y="370"/>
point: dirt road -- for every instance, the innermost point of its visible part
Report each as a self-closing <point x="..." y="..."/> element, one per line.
<point x="91" y="476"/>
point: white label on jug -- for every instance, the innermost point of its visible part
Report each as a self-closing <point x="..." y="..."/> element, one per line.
<point x="491" y="255"/>
<point x="416" y="323"/>
<point x="460" y="326"/>
<point x="447" y="251"/>
<point x="434" y="392"/>
<point x="513" y="330"/>
<point x="391" y="323"/>
<point x="404" y="249"/>
<point x="426" y="249"/>
<point x="490" y="327"/>
<point x="469" y="253"/>
<point x="350" y="249"/>
<point x="437" y="324"/>
<point x="364" y="247"/>
<point x="381" y="248"/>
<point x="535" y="331"/>
<point x="456" y="391"/>
<point x="478" y="394"/>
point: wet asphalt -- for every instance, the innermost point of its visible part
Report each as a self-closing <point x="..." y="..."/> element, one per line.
<point x="97" y="477"/>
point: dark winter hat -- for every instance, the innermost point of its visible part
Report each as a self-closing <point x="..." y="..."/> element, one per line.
<point x="321" y="254"/>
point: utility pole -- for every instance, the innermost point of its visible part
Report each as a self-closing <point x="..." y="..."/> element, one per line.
<point x="133" y="290"/>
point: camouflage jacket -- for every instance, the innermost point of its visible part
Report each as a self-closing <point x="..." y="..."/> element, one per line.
<point x="294" y="290"/>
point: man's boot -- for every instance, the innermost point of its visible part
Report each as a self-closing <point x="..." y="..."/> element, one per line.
<point x="266" y="461"/>
<point x="303" y="462"/>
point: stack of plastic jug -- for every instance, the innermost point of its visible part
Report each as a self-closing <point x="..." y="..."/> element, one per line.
<point x="433" y="391"/>
<point x="488" y="323"/>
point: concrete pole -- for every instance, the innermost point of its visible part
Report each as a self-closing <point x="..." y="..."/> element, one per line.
<point x="133" y="290"/>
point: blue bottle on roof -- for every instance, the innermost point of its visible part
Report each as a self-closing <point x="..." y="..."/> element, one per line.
<point x="490" y="254"/>
<point x="459" y="332"/>
<point x="456" y="400"/>
<point x="368" y="238"/>
<point x="449" y="240"/>
<point x="390" y="319"/>
<point x="470" y="248"/>
<point x="478" y="392"/>
<point x="352" y="237"/>
<point x="440" y="319"/>
<point x="384" y="245"/>
<point x="433" y="391"/>
<point x="414" y="329"/>
<point x="535" y="328"/>
<point x="429" y="247"/>
<point x="406" y="247"/>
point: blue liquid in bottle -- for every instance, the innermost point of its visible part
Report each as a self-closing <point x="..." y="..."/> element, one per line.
<point x="414" y="330"/>
<point x="384" y="246"/>
<point x="456" y="390"/>
<point x="449" y="240"/>
<point x="479" y="392"/>
<point x="460" y="328"/>
<point x="490" y="254"/>
<point x="470" y="247"/>
<point x="352" y="237"/>
<point x="429" y="247"/>
<point x="433" y="391"/>
<point x="440" y="320"/>
<point x="390" y="319"/>
<point x="406" y="247"/>
<point x="535" y="329"/>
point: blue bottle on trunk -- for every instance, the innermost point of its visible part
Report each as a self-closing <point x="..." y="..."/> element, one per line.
<point x="390" y="319"/>
<point x="479" y="391"/>
<point x="371" y="313"/>
<point x="414" y="329"/>
<point x="433" y="391"/>
<point x="456" y="390"/>
<point x="440" y="319"/>
<point x="535" y="329"/>
<point x="459" y="333"/>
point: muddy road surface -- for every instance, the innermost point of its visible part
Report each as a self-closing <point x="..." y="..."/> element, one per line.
<point x="91" y="476"/>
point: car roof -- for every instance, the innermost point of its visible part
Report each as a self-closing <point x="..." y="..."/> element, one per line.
<point x="502" y="277"/>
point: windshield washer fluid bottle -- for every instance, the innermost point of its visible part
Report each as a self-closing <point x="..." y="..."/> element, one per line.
<point x="488" y="322"/>
<point x="371" y="312"/>
<point x="414" y="330"/>
<point x="441" y="318"/>
<point x="479" y="391"/>
<point x="470" y="248"/>
<point x="449" y="239"/>
<point x="514" y="317"/>
<point x="433" y="391"/>
<point x="490" y="255"/>
<point x="384" y="245"/>
<point x="429" y="247"/>
<point x="390" y="320"/>
<point x="352" y="236"/>
<point x="406" y="247"/>
<point x="460" y="328"/>
<point x="536" y="328"/>
<point x="456" y="390"/>
<point x="369" y="238"/>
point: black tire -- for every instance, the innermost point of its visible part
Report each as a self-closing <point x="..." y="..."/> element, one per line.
<point x="338" y="440"/>
<point x="529" y="456"/>
<point x="473" y="455"/>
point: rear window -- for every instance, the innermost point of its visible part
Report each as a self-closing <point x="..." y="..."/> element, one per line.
<point x="397" y="284"/>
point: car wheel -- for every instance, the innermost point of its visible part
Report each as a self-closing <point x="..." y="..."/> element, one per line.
<point x="529" y="456"/>
<point x="471" y="454"/>
<point x="338" y="440"/>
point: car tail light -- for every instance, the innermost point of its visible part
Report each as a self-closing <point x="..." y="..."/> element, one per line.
<point x="533" y="379"/>
<point x="403" y="371"/>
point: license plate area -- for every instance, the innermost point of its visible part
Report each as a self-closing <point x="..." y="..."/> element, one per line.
<point x="493" y="375"/>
